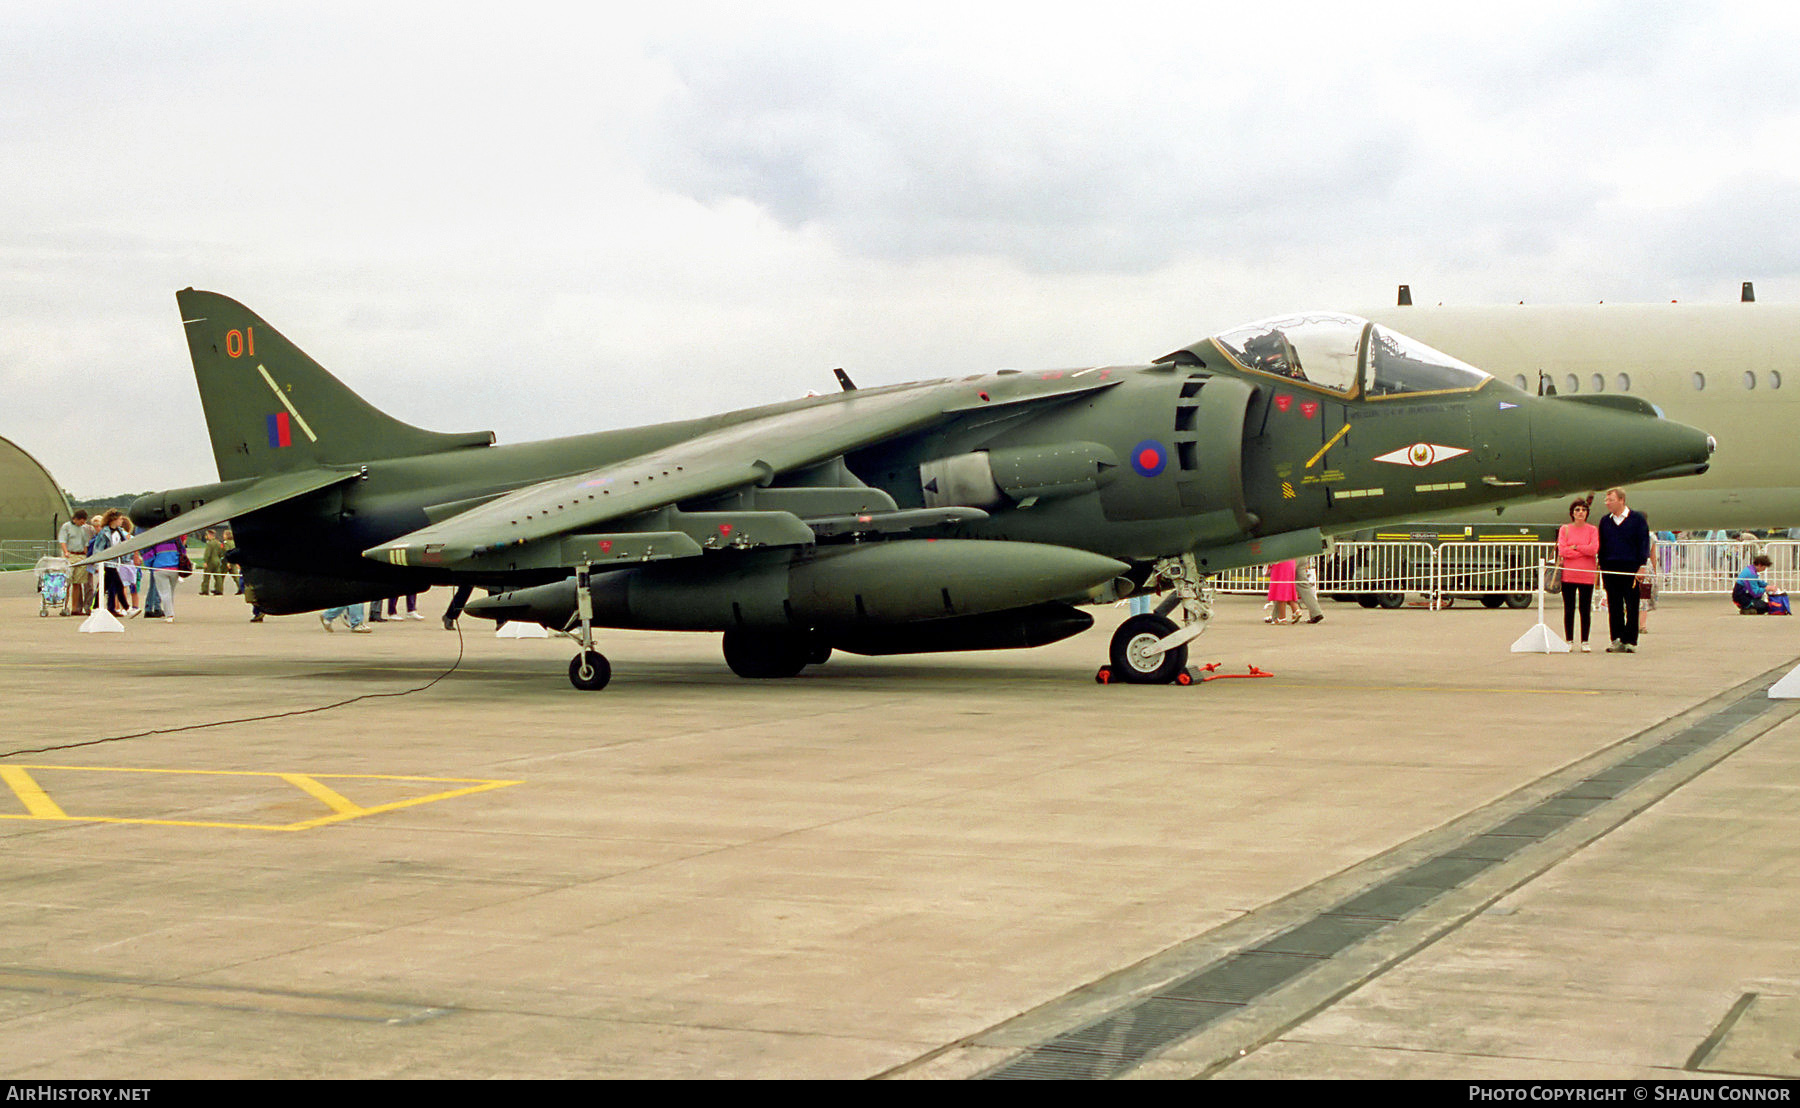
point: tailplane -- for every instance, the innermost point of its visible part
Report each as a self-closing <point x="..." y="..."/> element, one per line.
<point x="271" y="409"/>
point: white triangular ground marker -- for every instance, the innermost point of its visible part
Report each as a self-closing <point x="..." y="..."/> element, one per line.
<point x="1788" y="688"/>
<point x="101" y="620"/>
<point x="517" y="630"/>
<point x="1540" y="640"/>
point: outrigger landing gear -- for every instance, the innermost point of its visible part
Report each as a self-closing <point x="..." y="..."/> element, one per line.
<point x="589" y="671"/>
<point x="1153" y="649"/>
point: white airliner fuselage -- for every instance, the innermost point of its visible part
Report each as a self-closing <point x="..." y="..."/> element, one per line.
<point x="1730" y="369"/>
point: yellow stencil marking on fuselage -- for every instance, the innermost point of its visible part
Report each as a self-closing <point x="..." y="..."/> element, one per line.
<point x="1342" y="431"/>
<point x="288" y="404"/>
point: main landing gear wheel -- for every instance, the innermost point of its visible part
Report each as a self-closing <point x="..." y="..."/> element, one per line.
<point x="760" y="654"/>
<point x="589" y="671"/>
<point x="1132" y="659"/>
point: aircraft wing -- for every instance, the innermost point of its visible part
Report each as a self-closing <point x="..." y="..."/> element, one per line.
<point x="564" y="521"/>
<point x="262" y="494"/>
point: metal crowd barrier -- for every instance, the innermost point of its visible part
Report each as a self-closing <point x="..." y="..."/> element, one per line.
<point x="1705" y="567"/>
<point x="1393" y="570"/>
<point x="24" y="553"/>
<point x="1387" y="569"/>
<point x="1490" y="569"/>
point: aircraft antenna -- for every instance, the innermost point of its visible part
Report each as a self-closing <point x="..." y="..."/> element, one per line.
<point x="1405" y="296"/>
<point x="1748" y="296"/>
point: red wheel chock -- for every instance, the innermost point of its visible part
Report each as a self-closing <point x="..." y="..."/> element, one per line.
<point x="1190" y="676"/>
<point x="1206" y="673"/>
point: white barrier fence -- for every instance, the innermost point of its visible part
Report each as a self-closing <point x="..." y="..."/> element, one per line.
<point x="1392" y="570"/>
<point x="24" y="553"/>
<point x="1711" y="567"/>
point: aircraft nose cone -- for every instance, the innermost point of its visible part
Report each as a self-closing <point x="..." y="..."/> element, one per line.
<point x="1581" y="445"/>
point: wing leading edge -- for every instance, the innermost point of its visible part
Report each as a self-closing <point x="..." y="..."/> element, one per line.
<point x="263" y="494"/>
<point x="564" y="521"/>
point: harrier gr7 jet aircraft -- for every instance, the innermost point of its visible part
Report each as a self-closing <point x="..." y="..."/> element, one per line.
<point x="1719" y="365"/>
<point x="965" y="514"/>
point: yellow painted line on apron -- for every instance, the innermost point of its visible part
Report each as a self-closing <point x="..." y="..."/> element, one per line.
<point x="177" y="822"/>
<point x="333" y="799"/>
<point x="1342" y="431"/>
<point x="395" y="806"/>
<point x="40" y="806"/>
<point x="265" y="773"/>
<point x="36" y="801"/>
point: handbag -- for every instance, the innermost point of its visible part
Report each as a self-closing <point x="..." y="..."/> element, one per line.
<point x="184" y="566"/>
<point x="1553" y="579"/>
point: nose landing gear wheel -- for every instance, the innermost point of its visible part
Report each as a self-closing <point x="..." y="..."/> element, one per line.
<point x="1132" y="661"/>
<point x="589" y="671"/>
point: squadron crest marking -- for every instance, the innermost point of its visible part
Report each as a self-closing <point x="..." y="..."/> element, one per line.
<point x="1421" y="454"/>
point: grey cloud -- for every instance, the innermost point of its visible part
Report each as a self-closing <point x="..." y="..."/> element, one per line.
<point x="1122" y="171"/>
<point x="1467" y="141"/>
<point x="456" y="217"/>
<point x="1749" y="228"/>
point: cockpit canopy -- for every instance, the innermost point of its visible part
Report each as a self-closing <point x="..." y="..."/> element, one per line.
<point x="1345" y="355"/>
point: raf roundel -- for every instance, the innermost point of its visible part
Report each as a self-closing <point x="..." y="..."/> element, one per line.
<point x="1148" y="458"/>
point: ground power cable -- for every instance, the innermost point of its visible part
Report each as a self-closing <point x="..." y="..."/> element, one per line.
<point x="251" y="719"/>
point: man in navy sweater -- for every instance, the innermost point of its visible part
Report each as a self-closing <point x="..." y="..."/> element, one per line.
<point x="1624" y="549"/>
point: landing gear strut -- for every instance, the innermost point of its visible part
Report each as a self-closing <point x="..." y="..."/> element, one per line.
<point x="1153" y="649"/>
<point x="589" y="671"/>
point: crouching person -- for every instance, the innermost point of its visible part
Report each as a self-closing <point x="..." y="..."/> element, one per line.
<point x="1753" y="595"/>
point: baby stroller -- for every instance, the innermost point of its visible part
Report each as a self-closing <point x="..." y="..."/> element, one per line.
<point x="52" y="585"/>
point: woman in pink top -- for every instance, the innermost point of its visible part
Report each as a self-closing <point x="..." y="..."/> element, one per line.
<point x="1577" y="547"/>
<point x="1285" y="595"/>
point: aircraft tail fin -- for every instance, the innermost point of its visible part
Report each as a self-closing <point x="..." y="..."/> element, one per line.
<point x="271" y="409"/>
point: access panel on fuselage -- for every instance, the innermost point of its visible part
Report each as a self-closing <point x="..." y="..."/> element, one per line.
<point x="1398" y="457"/>
<point x="1294" y="453"/>
<point x="1185" y="456"/>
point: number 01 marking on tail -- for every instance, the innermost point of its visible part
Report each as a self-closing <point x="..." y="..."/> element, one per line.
<point x="239" y="343"/>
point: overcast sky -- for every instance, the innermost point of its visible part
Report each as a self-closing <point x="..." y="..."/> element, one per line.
<point x="551" y="219"/>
